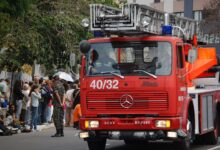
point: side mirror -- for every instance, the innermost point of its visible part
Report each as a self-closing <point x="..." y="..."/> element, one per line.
<point x="192" y="55"/>
<point x="84" y="46"/>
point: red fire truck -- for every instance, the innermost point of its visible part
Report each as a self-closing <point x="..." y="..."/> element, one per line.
<point x="148" y="79"/>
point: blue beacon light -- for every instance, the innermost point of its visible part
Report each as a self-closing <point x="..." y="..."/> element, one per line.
<point x="167" y="30"/>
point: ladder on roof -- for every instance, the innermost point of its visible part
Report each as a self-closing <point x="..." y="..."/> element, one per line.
<point x="135" y="19"/>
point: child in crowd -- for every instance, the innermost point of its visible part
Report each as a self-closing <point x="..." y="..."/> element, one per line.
<point x="35" y="96"/>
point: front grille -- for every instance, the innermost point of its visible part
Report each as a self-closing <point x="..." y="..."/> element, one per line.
<point x="155" y="101"/>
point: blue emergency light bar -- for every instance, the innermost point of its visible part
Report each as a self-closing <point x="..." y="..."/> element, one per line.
<point x="167" y="30"/>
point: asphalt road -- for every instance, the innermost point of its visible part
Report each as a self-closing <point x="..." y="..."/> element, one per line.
<point x="42" y="141"/>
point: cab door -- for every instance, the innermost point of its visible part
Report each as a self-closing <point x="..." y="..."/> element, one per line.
<point x="181" y="76"/>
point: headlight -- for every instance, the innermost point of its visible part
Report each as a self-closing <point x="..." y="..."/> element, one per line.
<point x="92" y="124"/>
<point x="163" y="124"/>
<point x="85" y="22"/>
<point x="145" y="21"/>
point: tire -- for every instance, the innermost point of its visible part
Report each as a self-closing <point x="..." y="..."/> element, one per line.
<point x="96" y="144"/>
<point x="212" y="137"/>
<point x="185" y="144"/>
<point x="199" y="140"/>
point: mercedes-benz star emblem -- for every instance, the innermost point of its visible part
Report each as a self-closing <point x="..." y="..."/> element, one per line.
<point x="126" y="101"/>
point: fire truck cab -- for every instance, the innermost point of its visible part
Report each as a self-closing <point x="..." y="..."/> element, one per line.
<point x="146" y="83"/>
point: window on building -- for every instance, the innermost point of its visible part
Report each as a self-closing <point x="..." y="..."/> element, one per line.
<point x="180" y="14"/>
<point x="156" y="1"/>
<point x="197" y="15"/>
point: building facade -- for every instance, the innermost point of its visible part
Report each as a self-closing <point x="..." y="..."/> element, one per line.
<point x="145" y="2"/>
<point x="175" y="6"/>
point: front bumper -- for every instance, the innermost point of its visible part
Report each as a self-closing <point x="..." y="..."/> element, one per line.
<point x="132" y="128"/>
<point x="140" y="135"/>
<point x="138" y="123"/>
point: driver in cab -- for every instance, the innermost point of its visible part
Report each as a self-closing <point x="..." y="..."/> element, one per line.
<point x="150" y="60"/>
<point x="100" y="63"/>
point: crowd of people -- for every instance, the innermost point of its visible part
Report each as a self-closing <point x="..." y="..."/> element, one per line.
<point x="38" y="102"/>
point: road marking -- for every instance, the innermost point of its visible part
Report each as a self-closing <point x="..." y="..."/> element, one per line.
<point x="214" y="148"/>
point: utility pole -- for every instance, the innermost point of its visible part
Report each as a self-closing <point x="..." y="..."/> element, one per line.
<point x="188" y="8"/>
<point x="168" y="6"/>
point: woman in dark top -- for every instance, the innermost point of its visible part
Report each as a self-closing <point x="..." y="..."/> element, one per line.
<point x="18" y="97"/>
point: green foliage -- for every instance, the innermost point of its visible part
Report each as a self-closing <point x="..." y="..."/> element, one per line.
<point x="43" y="30"/>
<point x="15" y="7"/>
<point x="107" y="2"/>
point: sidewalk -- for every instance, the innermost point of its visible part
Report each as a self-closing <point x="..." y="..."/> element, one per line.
<point x="39" y="127"/>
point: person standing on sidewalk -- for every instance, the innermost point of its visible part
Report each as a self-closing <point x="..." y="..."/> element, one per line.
<point x="35" y="96"/>
<point x="46" y="93"/>
<point x="69" y="101"/>
<point x="58" y="103"/>
<point x="27" y="104"/>
<point x="18" y="96"/>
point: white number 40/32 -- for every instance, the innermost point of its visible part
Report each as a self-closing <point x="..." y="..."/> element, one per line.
<point x="104" y="84"/>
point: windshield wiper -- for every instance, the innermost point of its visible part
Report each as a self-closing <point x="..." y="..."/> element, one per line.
<point x="113" y="73"/>
<point x="150" y="74"/>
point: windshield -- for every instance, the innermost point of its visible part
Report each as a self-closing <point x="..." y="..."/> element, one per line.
<point x="129" y="58"/>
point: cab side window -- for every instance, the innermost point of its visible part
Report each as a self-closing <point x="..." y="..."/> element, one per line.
<point x="180" y="56"/>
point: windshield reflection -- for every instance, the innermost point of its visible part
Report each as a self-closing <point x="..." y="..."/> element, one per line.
<point x="123" y="58"/>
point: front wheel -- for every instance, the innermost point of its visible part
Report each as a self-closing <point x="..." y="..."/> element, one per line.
<point x="96" y="144"/>
<point x="185" y="144"/>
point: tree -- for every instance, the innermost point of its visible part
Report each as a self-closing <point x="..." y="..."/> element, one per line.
<point x="13" y="53"/>
<point x="211" y="15"/>
<point x="15" y="7"/>
<point x="44" y="30"/>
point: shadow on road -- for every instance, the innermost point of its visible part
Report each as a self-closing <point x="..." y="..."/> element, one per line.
<point x="148" y="146"/>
